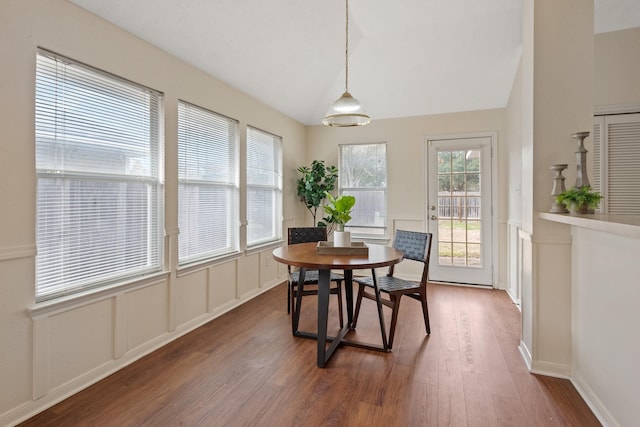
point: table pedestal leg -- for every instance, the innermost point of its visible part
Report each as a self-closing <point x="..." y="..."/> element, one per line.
<point x="324" y="353"/>
<point x="323" y="314"/>
<point x="348" y="291"/>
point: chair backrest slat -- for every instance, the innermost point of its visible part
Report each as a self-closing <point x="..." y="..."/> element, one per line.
<point x="306" y="234"/>
<point x="414" y="245"/>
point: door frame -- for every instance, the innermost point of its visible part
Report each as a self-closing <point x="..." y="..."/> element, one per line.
<point x="493" y="135"/>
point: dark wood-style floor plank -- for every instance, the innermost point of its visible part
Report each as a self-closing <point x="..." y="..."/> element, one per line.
<point x="246" y="369"/>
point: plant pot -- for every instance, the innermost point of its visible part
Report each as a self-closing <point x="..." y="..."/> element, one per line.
<point x="342" y="239"/>
<point x="581" y="209"/>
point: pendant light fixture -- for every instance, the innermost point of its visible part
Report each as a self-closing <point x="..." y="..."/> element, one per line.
<point x="346" y="110"/>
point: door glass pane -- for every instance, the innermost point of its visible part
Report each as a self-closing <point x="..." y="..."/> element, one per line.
<point x="444" y="253"/>
<point x="444" y="162"/>
<point x="473" y="231"/>
<point x="473" y="254"/>
<point x="473" y="183"/>
<point x="444" y="183"/>
<point x="459" y="254"/>
<point x="459" y="203"/>
<point x="444" y="231"/>
<point x="473" y="161"/>
<point x="458" y="161"/>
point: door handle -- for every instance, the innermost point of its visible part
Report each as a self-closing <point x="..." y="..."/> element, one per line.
<point x="433" y="217"/>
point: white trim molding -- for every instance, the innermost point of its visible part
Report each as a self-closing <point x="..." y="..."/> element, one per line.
<point x="603" y="110"/>
<point x="17" y="252"/>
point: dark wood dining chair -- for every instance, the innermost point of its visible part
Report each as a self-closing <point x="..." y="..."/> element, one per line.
<point x="305" y="235"/>
<point x="416" y="246"/>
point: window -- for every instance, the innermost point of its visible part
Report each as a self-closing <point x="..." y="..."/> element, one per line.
<point x="264" y="187"/>
<point x="363" y="174"/>
<point x="207" y="184"/>
<point x="99" y="188"/>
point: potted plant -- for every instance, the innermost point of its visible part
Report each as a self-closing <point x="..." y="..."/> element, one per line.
<point x="339" y="213"/>
<point x="580" y="200"/>
<point x="315" y="183"/>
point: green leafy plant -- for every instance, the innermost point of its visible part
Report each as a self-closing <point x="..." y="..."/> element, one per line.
<point x="316" y="181"/>
<point x="580" y="199"/>
<point x="339" y="210"/>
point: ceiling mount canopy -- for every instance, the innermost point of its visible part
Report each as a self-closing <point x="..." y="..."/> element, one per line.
<point x="346" y="110"/>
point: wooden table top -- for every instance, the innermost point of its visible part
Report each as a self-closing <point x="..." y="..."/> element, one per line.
<point x="306" y="255"/>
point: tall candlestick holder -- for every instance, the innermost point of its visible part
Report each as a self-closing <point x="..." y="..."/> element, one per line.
<point x="558" y="188"/>
<point x="581" y="160"/>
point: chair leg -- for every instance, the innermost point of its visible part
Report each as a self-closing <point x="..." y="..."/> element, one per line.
<point x="358" y="302"/>
<point x="288" y="298"/>
<point x="383" y="329"/>
<point x="340" y="304"/>
<point x="425" y="311"/>
<point x="395" y="301"/>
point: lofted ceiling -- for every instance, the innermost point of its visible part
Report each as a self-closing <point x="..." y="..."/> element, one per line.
<point x="406" y="57"/>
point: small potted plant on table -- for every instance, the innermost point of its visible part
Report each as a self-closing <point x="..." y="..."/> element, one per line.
<point x="339" y="213"/>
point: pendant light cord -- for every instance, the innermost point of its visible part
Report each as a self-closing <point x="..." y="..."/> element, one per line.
<point x="346" y="48"/>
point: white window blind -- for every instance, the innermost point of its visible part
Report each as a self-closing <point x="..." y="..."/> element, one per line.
<point x="207" y="184"/>
<point x="264" y="187"/>
<point x="99" y="190"/>
<point x="616" y="160"/>
<point x="363" y="174"/>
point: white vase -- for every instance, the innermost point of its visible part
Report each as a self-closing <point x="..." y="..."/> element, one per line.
<point x="342" y="239"/>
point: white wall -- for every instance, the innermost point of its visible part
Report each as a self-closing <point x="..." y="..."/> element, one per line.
<point x="49" y="351"/>
<point x="513" y="174"/>
<point x="617" y="68"/>
<point x="557" y="102"/>
<point x="605" y="323"/>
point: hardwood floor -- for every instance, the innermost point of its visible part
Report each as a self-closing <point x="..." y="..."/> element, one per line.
<point x="246" y="369"/>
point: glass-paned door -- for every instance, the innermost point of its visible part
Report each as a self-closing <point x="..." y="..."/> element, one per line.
<point x="459" y="210"/>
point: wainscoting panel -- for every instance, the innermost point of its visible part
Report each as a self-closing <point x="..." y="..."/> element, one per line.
<point x="248" y="275"/>
<point x="191" y="296"/>
<point x="79" y="340"/>
<point x="514" y="264"/>
<point x="222" y="282"/>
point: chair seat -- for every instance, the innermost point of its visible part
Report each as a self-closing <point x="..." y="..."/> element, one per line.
<point x="311" y="277"/>
<point x="388" y="283"/>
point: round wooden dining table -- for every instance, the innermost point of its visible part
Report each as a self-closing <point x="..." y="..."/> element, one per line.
<point x="306" y="256"/>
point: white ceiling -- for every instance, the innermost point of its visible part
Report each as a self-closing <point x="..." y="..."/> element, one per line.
<point x="406" y="57"/>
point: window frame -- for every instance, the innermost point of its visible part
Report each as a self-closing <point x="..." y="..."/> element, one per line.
<point x="70" y="161"/>
<point x="343" y="189"/>
<point x="275" y="188"/>
<point x="233" y="146"/>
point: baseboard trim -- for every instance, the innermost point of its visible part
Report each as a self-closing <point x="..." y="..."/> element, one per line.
<point x="548" y="369"/>
<point x="597" y="407"/>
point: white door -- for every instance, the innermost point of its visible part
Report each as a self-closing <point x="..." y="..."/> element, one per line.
<point x="459" y="210"/>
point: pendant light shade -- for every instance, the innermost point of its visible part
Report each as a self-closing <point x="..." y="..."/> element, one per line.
<point x="346" y="110"/>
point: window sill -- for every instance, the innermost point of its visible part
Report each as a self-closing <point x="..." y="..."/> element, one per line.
<point x="94" y="295"/>
<point x="264" y="246"/>
<point x="206" y="263"/>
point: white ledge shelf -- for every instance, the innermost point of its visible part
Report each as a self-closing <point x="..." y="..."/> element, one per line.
<point x="624" y="225"/>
